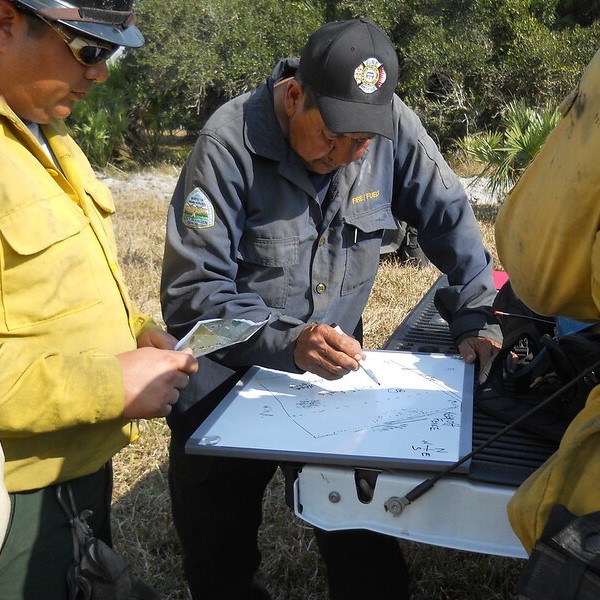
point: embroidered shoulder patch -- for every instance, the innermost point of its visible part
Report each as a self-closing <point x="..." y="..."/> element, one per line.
<point x="198" y="211"/>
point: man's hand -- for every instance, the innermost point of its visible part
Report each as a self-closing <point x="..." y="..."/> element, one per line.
<point x="154" y="374"/>
<point x="156" y="338"/>
<point x="321" y="350"/>
<point x="481" y="349"/>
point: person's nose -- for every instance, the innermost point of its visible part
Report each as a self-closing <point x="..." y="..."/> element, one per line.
<point x="97" y="73"/>
<point x="347" y="150"/>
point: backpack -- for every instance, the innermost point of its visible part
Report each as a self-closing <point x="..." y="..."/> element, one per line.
<point x="98" y="572"/>
<point x="410" y="251"/>
<point x="533" y="364"/>
<point x="565" y="562"/>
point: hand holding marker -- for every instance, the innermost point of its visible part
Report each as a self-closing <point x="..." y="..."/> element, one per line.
<point x="360" y="362"/>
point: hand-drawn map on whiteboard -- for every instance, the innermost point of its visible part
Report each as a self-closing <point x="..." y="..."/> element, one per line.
<point x="419" y="417"/>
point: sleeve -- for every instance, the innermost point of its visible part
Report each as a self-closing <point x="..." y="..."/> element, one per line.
<point x="429" y="196"/>
<point x="205" y="224"/>
<point x="142" y="322"/>
<point x="32" y="372"/>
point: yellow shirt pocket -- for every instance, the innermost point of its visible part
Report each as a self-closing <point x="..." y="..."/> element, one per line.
<point x="45" y="271"/>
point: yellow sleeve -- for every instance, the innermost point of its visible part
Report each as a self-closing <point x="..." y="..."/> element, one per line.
<point x="141" y="322"/>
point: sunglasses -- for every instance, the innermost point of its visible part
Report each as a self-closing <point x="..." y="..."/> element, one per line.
<point x="87" y="52"/>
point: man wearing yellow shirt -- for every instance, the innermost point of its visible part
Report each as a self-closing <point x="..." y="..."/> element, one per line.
<point x="79" y="363"/>
<point x="547" y="235"/>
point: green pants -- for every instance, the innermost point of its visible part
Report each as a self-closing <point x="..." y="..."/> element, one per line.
<point x="38" y="546"/>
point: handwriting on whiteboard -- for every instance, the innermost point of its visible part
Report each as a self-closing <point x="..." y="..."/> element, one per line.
<point x="421" y="412"/>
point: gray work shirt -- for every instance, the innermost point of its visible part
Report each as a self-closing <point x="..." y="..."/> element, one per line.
<point x="248" y="238"/>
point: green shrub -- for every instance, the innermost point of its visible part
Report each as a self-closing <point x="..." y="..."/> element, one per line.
<point x="506" y="153"/>
<point x="100" y="123"/>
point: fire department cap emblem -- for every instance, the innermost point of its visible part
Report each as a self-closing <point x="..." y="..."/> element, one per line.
<point x="370" y="75"/>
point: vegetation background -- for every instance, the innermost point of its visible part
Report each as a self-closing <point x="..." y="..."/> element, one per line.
<point x="465" y="65"/>
<point x="462" y="62"/>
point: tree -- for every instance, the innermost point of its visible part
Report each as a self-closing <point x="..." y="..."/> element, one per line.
<point x="199" y="53"/>
<point x="461" y="61"/>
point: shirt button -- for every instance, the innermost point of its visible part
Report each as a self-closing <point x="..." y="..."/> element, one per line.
<point x="52" y="172"/>
<point x="321" y="240"/>
<point x="320" y="288"/>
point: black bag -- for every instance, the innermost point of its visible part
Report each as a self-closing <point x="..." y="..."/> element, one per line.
<point x="533" y="364"/>
<point x="565" y="562"/>
<point x="410" y="251"/>
<point x="98" y="573"/>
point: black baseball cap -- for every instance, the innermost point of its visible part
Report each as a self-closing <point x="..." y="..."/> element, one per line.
<point x="352" y="67"/>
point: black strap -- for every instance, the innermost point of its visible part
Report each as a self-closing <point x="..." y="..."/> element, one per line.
<point x="79" y="525"/>
<point x="565" y="562"/>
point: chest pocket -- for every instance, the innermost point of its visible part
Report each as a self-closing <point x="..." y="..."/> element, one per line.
<point x="264" y="267"/>
<point x="45" y="272"/>
<point x="362" y="242"/>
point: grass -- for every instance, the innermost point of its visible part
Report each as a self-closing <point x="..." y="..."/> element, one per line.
<point x="291" y="567"/>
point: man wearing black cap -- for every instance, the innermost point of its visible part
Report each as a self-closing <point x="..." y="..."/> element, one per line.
<point x="279" y="212"/>
<point x="79" y="364"/>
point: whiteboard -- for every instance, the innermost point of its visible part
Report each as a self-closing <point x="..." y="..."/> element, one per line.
<point x="419" y="417"/>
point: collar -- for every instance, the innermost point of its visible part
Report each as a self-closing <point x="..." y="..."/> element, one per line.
<point x="262" y="132"/>
<point x="34" y="138"/>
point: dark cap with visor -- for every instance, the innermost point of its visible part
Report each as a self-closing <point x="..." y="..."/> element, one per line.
<point x="352" y="67"/>
<point x="111" y="21"/>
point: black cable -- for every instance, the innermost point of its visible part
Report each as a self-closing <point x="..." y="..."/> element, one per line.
<point x="426" y="485"/>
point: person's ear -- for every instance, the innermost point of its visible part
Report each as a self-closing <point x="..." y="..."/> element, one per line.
<point x="8" y="15"/>
<point x="294" y="98"/>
